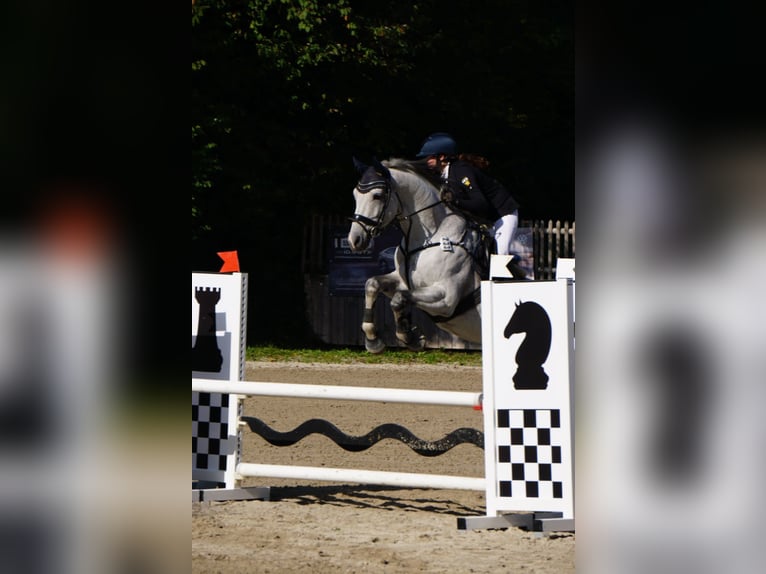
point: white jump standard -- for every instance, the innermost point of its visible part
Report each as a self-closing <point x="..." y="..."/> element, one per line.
<point x="527" y="403"/>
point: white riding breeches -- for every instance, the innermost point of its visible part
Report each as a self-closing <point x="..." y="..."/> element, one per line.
<point x="505" y="230"/>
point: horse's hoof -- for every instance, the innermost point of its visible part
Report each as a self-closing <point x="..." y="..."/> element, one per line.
<point x="414" y="340"/>
<point x="417" y="345"/>
<point x="374" y="346"/>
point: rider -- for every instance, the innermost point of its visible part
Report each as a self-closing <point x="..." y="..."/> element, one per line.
<point x="466" y="187"/>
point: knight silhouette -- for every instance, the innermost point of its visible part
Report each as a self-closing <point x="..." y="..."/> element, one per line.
<point x="206" y="356"/>
<point x="532" y="319"/>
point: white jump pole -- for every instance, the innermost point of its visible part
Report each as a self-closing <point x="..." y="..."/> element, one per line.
<point x="383" y="478"/>
<point x="336" y="392"/>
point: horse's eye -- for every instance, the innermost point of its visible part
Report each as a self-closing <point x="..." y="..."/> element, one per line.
<point x="378" y="197"/>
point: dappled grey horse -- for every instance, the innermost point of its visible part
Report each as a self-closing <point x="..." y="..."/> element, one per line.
<point x="437" y="262"/>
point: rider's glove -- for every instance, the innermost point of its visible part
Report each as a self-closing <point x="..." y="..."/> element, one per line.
<point x="446" y="195"/>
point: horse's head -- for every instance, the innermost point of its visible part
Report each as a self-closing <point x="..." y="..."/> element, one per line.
<point x="372" y="195"/>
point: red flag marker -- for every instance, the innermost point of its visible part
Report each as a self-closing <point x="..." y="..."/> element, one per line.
<point x="230" y="261"/>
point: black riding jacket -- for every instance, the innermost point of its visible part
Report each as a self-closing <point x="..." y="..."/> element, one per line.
<point x="479" y="194"/>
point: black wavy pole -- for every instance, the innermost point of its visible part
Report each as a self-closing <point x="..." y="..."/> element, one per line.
<point x="360" y="443"/>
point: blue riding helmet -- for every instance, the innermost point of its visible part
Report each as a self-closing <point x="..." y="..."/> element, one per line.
<point x="436" y="144"/>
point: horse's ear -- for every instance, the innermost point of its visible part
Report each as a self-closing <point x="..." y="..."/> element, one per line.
<point x="380" y="168"/>
<point x="360" y="166"/>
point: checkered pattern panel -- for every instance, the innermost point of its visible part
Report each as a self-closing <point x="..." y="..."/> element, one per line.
<point x="210" y="431"/>
<point x="529" y="453"/>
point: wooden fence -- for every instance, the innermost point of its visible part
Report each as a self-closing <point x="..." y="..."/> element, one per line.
<point x="550" y="241"/>
<point x="336" y="318"/>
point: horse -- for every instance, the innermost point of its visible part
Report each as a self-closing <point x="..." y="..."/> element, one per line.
<point x="439" y="264"/>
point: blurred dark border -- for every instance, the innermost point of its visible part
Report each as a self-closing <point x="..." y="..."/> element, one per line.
<point x="94" y="103"/>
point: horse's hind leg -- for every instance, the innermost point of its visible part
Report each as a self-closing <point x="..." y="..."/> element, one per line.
<point x="406" y="332"/>
<point x="385" y="284"/>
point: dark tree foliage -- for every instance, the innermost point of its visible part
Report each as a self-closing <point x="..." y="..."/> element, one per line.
<point x="284" y="93"/>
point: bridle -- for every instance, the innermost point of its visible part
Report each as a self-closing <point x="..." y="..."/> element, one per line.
<point x="373" y="227"/>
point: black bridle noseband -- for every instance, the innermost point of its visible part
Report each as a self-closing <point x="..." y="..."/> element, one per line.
<point x="371" y="227"/>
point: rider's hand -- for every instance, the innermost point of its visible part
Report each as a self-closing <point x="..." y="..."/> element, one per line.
<point x="446" y="195"/>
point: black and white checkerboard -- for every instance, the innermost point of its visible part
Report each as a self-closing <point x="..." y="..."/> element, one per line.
<point x="210" y="431"/>
<point x="529" y="454"/>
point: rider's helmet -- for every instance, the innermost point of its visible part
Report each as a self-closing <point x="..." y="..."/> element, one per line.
<point x="438" y="143"/>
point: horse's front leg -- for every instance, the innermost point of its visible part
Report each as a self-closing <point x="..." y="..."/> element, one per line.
<point x="406" y="332"/>
<point x="387" y="285"/>
<point x="434" y="300"/>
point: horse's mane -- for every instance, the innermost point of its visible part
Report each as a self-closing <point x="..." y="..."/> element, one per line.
<point x="417" y="167"/>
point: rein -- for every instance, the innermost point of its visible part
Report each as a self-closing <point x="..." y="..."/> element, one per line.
<point x="426" y="208"/>
<point x="375" y="227"/>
